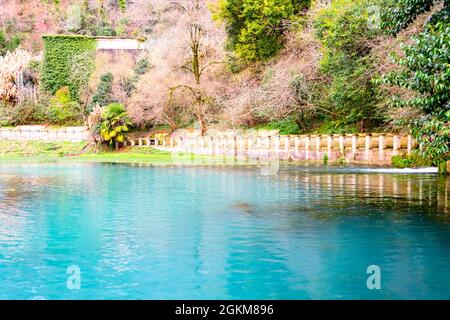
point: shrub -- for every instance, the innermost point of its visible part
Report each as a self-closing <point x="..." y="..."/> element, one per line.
<point x="121" y="26"/>
<point x="8" y="44"/>
<point x="397" y="14"/>
<point x="10" y="65"/>
<point x="63" y="110"/>
<point x="285" y="126"/>
<point x="114" y="124"/>
<point x="433" y="136"/>
<point x="26" y="112"/>
<point x="325" y="159"/>
<point x="142" y="66"/>
<point x="104" y="90"/>
<point x="105" y="29"/>
<point x="300" y="5"/>
<point x="414" y="160"/>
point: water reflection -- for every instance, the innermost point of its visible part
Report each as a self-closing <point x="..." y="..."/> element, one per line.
<point x="221" y="232"/>
<point x="427" y="191"/>
<point x="15" y="194"/>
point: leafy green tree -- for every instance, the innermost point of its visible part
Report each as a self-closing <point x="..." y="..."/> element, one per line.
<point x="344" y="33"/>
<point x="398" y="14"/>
<point x="425" y="70"/>
<point x="255" y="27"/>
<point x="104" y="90"/>
<point x="63" y="110"/>
<point x="231" y="13"/>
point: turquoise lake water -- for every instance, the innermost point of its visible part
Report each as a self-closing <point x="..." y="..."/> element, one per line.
<point x="220" y="232"/>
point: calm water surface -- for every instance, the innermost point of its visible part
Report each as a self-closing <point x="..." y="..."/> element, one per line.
<point x="225" y="232"/>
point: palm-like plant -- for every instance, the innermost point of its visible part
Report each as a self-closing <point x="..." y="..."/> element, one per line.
<point x="115" y="124"/>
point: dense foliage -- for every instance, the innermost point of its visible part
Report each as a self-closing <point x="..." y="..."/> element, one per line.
<point x="285" y="126"/>
<point x="433" y="136"/>
<point x="426" y="67"/>
<point x="296" y="65"/>
<point x="63" y="110"/>
<point x="114" y="124"/>
<point x="68" y="61"/>
<point x="399" y="13"/>
<point x="425" y="70"/>
<point x="104" y="90"/>
<point x="344" y="33"/>
<point x="255" y="27"/>
<point x="141" y="67"/>
<point x="8" y="44"/>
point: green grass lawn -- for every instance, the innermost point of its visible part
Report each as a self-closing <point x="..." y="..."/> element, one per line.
<point x="27" y="149"/>
<point x="67" y="151"/>
<point x="36" y="151"/>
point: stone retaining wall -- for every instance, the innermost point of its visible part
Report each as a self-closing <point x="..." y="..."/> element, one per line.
<point x="44" y="133"/>
<point x="356" y="148"/>
<point x="353" y="148"/>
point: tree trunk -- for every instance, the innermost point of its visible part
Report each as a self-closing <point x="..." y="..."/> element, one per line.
<point x="202" y="123"/>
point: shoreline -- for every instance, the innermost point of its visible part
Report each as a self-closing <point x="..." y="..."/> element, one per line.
<point x="71" y="152"/>
<point x="195" y="160"/>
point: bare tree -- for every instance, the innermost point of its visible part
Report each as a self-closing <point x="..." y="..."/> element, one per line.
<point x="184" y="81"/>
<point x="193" y="11"/>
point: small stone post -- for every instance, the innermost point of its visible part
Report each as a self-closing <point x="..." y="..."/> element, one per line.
<point x="287" y="144"/>
<point x="307" y="147"/>
<point x="341" y="144"/>
<point x="395" y="144"/>
<point x="381" y="146"/>
<point x="267" y="144"/>
<point x="367" y="146"/>
<point x="329" y="144"/>
<point x="249" y="145"/>
<point x="210" y="145"/>
<point x="277" y="143"/>
<point x="410" y="143"/>
<point x="195" y="145"/>
<point x="234" y="144"/>
<point x="318" y="147"/>
<point x="258" y="143"/>
<point x="354" y="144"/>
<point x="296" y="144"/>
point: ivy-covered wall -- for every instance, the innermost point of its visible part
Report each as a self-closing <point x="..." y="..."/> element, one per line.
<point x="68" y="61"/>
